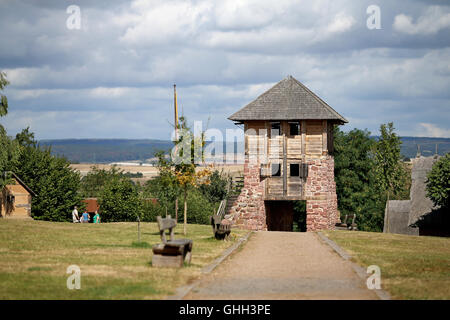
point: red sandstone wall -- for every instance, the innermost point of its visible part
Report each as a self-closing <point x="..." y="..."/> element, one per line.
<point x="320" y="192"/>
<point x="248" y="211"/>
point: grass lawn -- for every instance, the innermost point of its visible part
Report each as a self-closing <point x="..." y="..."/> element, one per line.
<point x="412" y="267"/>
<point x="34" y="256"/>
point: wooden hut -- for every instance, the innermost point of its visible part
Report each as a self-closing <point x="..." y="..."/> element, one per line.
<point x="288" y="156"/>
<point x="16" y="199"/>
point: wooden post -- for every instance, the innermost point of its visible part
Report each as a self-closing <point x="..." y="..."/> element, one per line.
<point x="284" y="159"/>
<point x="139" y="229"/>
<point x="324" y="137"/>
<point x="185" y="210"/>
<point x="175" y="105"/>
<point x="303" y="130"/>
<point x="387" y="212"/>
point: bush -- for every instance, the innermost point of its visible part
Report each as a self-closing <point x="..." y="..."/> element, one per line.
<point x="150" y="210"/>
<point x="438" y="182"/>
<point x="120" y="201"/>
<point x="199" y="209"/>
<point x="216" y="190"/>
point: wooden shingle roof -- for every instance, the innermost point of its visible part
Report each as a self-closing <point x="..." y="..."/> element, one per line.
<point x="287" y="100"/>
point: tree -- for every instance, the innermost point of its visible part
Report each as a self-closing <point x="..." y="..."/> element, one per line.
<point x="438" y="182"/>
<point x="216" y="190"/>
<point x="119" y="200"/>
<point x="165" y="186"/>
<point x="93" y="183"/>
<point x="52" y="179"/>
<point x="9" y="149"/>
<point x="9" y="155"/>
<point x="356" y="180"/>
<point x="26" y="138"/>
<point x="391" y="175"/>
<point x="189" y="150"/>
<point x="3" y="100"/>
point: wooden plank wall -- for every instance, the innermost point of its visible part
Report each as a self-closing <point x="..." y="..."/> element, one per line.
<point x="314" y="134"/>
<point x="314" y="140"/>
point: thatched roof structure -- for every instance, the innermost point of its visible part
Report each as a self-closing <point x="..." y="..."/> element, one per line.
<point x="420" y="203"/>
<point x="397" y="219"/>
<point x="405" y="215"/>
<point x="288" y="100"/>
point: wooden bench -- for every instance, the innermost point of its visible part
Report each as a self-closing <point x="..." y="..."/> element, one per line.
<point x="170" y="253"/>
<point x="221" y="229"/>
<point x="346" y="225"/>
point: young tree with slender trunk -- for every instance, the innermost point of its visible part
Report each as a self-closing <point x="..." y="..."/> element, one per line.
<point x="188" y="152"/>
<point x="389" y="170"/>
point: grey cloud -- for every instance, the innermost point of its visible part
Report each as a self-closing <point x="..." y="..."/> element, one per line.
<point x="126" y="58"/>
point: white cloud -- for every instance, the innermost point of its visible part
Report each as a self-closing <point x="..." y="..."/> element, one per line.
<point x="342" y="22"/>
<point x="102" y="92"/>
<point x="433" y="131"/>
<point x="164" y="23"/>
<point x="238" y="14"/>
<point x="435" y="18"/>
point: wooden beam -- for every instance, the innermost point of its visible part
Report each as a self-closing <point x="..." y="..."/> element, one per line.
<point x="284" y="164"/>
<point x="324" y="137"/>
<point x="303" y="131"/>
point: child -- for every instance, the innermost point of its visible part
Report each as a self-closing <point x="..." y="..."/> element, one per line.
<point x="85" y="217"/>
<point x="96" y="217"/>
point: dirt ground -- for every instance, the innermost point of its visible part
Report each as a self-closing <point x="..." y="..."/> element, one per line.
<point x="283" y="265"/>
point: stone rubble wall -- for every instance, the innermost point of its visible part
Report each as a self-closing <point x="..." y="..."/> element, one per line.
<point x="321" y="198"/>
<point x="248" y="211"/>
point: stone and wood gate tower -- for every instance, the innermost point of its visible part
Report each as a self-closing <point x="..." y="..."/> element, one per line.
<point x="288" y="156"/>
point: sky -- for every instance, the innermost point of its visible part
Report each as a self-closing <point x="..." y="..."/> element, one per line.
<point x="106" y="69"/>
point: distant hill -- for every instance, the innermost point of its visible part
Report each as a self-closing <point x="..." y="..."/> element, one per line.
<point x="427" y="146"/>
<point x="115" y="150"/>
<point x="106" y="150"/>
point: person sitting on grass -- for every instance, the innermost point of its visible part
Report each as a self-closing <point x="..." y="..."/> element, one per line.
<point x="85" y="217"/>
<point x="96" y="217"/>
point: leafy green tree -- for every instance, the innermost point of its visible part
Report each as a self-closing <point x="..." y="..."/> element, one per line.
<point x="391" y="176"/>
<point x="93" y="183"/>
<point x="199" y="209"/>
<point x="356" y="180"/>
<point x="9" y="155"/>
<point x="190" y="150"/>
<point x="120" y="201"/>
<point x="26" y="138"/>
<point x="216" y="190"/>
<point x="54" y="182"/>
<point x="165" y="186"/>
<point x="3" y="100"/>
<point x="438" y="182"/>
<point x="299" y="215"/>
<point x="9" y="149"/>
<point x="390" y="172"/>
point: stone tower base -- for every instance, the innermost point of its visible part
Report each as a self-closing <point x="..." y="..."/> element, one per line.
<point x="249" y="210"/>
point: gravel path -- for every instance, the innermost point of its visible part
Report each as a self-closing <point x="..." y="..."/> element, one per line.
<point x="283" y="265"/>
